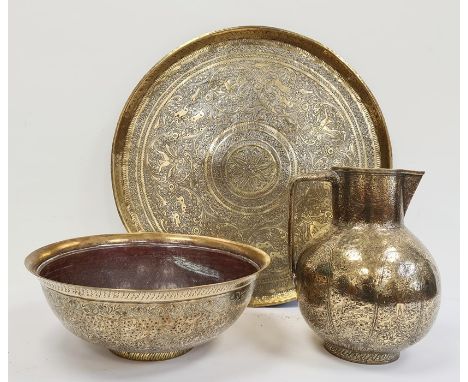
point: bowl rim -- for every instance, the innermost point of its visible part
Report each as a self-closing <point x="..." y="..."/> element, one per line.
<point x="39" y="257"/>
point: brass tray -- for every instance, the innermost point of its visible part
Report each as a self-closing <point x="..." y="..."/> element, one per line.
<point x="210" y="138"/>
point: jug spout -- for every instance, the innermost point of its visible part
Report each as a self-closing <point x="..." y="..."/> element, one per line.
<point x="373" y="195"/>
<point x="409" y="183"/>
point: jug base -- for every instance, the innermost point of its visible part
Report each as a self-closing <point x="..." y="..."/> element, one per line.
<point x="358" y="356"/>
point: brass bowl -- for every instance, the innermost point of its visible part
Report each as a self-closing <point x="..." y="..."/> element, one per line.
<point x="147" y="296"/>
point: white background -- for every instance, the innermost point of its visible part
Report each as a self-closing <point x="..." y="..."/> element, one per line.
<point x="72" y="66"/>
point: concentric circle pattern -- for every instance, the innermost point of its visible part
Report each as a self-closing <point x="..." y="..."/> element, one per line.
<point x="218" y="135"/>
<point x="248" y="168"/>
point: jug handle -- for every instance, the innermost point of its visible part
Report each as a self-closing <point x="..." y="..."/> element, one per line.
<point x="318" y="176"/>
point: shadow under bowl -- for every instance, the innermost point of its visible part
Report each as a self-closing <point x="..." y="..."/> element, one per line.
<point x="147" y="296"/>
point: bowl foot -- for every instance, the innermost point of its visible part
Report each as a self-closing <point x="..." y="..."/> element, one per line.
<point x="135" y="356"/>
<point x="358" y="356"/>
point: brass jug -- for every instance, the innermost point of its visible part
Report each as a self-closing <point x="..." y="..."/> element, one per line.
<point x="368" y="287"/>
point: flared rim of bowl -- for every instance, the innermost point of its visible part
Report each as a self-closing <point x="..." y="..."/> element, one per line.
<point x="36" y="260"/>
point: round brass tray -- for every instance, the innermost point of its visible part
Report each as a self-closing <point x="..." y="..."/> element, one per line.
<point x="210" y="138"/>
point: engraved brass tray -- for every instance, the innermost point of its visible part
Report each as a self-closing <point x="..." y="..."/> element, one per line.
<point x="212" y="135"/>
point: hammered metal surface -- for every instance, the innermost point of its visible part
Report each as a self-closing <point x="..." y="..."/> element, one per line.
<point x="368" y="286"/>
<point x="215" y="140"/>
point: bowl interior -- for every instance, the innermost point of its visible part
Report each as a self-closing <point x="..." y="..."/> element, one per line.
<point x="146" y="266"/>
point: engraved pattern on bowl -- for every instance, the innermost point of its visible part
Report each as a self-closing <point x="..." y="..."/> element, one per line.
<point x="148" y="324"/>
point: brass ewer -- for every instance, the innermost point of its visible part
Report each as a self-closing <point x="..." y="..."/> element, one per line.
<point x="368" y="287"/>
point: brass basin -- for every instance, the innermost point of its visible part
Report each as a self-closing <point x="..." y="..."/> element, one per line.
<point x="147" y="296"/>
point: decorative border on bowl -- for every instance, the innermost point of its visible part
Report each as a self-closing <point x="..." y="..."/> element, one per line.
<point x="142" y="296"/>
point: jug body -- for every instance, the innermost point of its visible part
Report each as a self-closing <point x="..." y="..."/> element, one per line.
<point x="369" y="288"/>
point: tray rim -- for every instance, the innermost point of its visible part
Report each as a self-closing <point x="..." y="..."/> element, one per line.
<point x="235" y="33"/>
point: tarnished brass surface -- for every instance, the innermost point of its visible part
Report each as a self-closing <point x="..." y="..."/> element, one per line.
<point x="211" y="137"/>
<point x="147" y="324"/>
<point x="367" y="285"/>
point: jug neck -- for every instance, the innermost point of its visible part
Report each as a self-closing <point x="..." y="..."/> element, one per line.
<point x="373" y="196"/>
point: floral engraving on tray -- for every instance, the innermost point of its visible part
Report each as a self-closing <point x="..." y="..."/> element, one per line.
<point x="219" y="136"/>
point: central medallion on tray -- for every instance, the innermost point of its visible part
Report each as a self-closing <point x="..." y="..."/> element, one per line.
<point x="249" y="166"/>
<point x="251" y="170"/>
